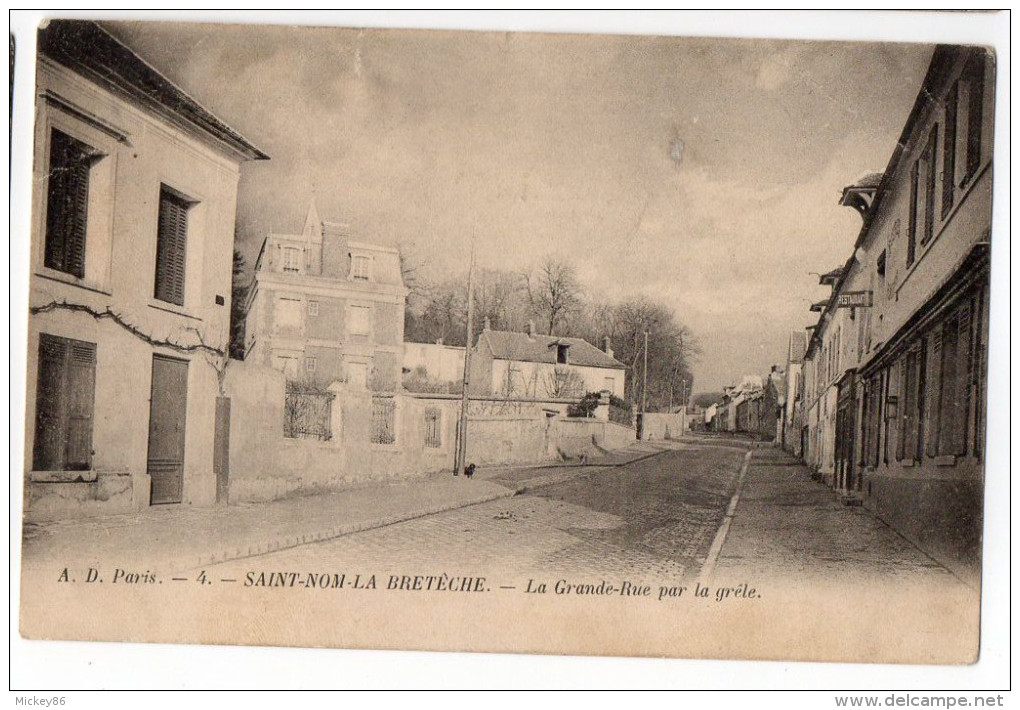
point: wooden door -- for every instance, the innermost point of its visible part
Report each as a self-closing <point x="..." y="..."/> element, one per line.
<point x="167" y="414"/>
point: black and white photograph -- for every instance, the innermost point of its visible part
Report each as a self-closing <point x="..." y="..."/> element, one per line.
<point x="508" y="340"/>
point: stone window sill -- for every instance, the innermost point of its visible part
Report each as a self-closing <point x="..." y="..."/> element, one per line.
<point x="949" y="460"/>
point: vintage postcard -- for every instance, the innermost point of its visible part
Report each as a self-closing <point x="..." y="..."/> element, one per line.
<point x="500" y="341"/>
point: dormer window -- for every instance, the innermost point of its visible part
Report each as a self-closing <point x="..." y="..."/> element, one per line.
<point x="561" y="353"/>
<point x="291" y="260"/>
<point x="361" y="268"/>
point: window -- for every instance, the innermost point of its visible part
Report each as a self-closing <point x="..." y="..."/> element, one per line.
<point x="289" y="313"/>
<point x="67" y="203"/>
<point x="291" y="260"/>
<point x="433" y="427"/>
<point x="609" y="384"/>
<point x="561" y="353"/>
<point x="313" y="308"/>
<point x="383" y="421"/>
<point x="359" y="321"/>
<point x="360" y="268"/>
<point x="171" y="246"/>
<point x="973" y="85"/>
<point x="957" y="368"/>
<point x="880" y="267"/>
<point x="65" y="396"/>
<point x="948" y="175"/>
<point x="287" y="364"/>
<point x="310" y="363"/>
<point x="922" y="198"/>
<point x="911" y="402"/>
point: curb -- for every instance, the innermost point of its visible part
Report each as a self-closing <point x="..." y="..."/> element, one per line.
<point x="288" y="541"/>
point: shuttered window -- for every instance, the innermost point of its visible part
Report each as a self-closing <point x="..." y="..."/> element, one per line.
<point x="912" y="224"/>
<point x="65" y="395"/>
<point x="911" y="403"/>
<point x="974" y="80"/>
<point x="949" y="150"/>
<point x="171" y="247"/>
<point x="928" y="164"/>
<point x="67" y="203"/>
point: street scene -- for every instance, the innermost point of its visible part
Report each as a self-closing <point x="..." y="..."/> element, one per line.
<point x="543" y="321"/>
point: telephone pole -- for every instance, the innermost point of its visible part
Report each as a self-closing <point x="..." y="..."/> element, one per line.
<point x="644" y="383"/>
<point x="461" y="453"/>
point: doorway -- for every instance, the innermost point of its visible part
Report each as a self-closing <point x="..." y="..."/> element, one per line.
<point x="167" y="415"/>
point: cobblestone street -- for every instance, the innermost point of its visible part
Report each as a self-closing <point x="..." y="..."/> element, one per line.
<point x="653" y="519"/>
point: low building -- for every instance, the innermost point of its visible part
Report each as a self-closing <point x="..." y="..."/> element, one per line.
<point x="433" y="367"/>
<point x="532" y="366"/>
<point x="325" y="308"/>
<point x="130" y="285"/>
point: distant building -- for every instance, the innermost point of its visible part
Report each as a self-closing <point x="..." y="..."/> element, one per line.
<point x="533" y="366"/>
<point x="132" y="246"/>
<point x="792" y="431"/>
<point x="433" y="367"/>
<point x="323" y="307"/>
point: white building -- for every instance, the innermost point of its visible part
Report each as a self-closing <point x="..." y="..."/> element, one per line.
<point x="533" y="366"/>
<point x="131" y="256"/>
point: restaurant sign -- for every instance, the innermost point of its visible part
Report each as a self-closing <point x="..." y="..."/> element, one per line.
<point x="854" y="299"/>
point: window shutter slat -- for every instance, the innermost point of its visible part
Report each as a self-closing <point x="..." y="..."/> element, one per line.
<point x="81" y="396"/>
<point x="171" y="248"/>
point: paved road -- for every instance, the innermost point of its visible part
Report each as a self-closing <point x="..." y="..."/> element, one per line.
<point x="654" y="518"/>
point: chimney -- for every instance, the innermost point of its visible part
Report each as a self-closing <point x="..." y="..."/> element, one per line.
<point x="606" y="346"/>
<point x="487" y="324"/>
<point x="531" y="329"/>
<point x="439" y="341"/>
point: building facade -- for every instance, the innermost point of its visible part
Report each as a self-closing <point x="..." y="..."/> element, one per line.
<point x="911" y="309"/>
<point x="324" y="308"/>
<point x="130" y="285"/>
<point x="533" y="366"/>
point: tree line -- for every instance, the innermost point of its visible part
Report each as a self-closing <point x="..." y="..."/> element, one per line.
<point x="552" y="296"/>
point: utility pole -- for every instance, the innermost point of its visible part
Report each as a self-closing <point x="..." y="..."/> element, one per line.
<point x="644" y="384"/>
<point x="461" y="454"/>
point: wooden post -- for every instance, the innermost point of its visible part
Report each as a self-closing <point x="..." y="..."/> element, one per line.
<point x="458" y="459"/>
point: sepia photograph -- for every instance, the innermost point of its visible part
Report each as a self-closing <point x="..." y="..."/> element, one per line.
<point x="585" y="343"/>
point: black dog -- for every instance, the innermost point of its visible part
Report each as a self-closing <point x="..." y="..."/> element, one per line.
<point x="469" y="470"/>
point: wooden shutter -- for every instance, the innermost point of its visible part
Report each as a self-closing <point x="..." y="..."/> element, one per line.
<point x="81" y="386"/>
<point x="975" y="73"/>
<point x="171" y="248"/>
<point x="935" y="395"/>
<point x="949" y="150"/>
<point x="929" y="185"/>
<point x="65" y="401"/>
<point x="978" y="368"/>
<point x="964" y="374"/>
<point x="912" y="224"/>
<point x="67" y="204"/>
<point x="48" y="450"/>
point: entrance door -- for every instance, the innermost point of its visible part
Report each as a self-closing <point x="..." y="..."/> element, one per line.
<point x="167" y="412"/>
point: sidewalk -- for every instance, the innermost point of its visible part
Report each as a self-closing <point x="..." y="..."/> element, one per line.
<point x="786" y="526"/>
<point x="173" y="538"/>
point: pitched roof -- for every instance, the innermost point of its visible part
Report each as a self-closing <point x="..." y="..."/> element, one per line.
<point x="90" y="50"/>
<point x="507" y="345"/>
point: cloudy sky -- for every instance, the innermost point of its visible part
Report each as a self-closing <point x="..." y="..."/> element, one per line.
<point x="704" y="173"/>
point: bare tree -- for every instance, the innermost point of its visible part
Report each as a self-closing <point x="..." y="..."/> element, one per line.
<point x="564" y="383"/>
<point x="553" y="291"/>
